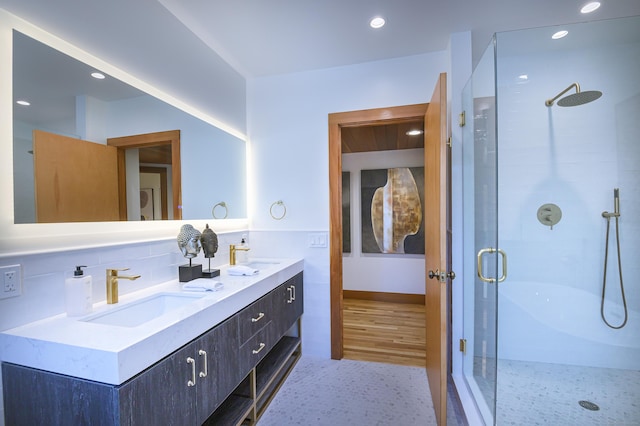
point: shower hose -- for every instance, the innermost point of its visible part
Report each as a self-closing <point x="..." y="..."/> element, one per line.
<point x="604" y="281"/>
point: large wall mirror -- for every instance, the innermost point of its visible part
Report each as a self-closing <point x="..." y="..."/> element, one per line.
<point x="68" y="106"/>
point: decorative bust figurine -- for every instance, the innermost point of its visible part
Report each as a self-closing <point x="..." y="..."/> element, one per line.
<point x="189" y="241"/>
<point x="209" y="241"/>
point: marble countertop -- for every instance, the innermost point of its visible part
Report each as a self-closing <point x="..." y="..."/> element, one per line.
<point x="113" y="354"/>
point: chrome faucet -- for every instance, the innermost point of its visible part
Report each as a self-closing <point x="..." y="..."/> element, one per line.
<point x="232" y="252"/>
<point x="112" y="283"/>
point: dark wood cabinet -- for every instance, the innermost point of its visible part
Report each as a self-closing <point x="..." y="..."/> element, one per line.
<point x="226" y="376"/>
<point x="288" y="303"/>
<point x="186" y="387"/>
<point x="161" y="394"/>
<point x="35" y="397"/>
<point x="223" y="375"/>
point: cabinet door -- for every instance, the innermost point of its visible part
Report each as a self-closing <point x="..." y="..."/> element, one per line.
<point x="288" y="303"/>
<point x="298" y="297"/>
<point x="217" y="350"/>
<point x="162" y="395"/>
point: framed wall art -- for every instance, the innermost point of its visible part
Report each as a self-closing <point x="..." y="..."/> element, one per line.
<point x="392" y="203"/>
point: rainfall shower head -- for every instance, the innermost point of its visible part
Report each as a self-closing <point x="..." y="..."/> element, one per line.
<point x="578" y="98"/>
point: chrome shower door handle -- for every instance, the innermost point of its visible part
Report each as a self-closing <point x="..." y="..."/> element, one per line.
<point x="504" y="265"/>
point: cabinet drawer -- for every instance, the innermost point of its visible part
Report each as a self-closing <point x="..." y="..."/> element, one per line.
<point x="254" y="317"/>
<point x="256" y="347"/>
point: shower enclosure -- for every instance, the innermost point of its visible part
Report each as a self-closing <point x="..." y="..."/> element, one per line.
<point x="539" y="181"/>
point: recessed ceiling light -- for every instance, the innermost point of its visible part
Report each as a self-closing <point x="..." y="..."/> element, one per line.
<point x="97" y="75"/>
<point x="590" y="7"/>
<point x="377" y="22"/>
<point x="415" y="132"/>
<point x="23" y="102"/>
<point x="559" y="34"/>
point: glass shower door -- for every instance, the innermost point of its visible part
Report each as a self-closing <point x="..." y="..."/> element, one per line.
<point x="480" y="257"/>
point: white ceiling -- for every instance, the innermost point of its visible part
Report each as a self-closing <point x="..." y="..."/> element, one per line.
<point x="265" y="37"/>
<point x="281" y="36"/>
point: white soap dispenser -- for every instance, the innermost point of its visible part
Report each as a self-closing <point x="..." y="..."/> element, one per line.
<point x="78" y="293"/>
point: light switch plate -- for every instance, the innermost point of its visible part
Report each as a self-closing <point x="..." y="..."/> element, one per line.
<point x="317" y="239"/>
<point x="10" y="281"/>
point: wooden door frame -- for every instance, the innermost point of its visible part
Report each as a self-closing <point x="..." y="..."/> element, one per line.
<point x="337" y="121"/>
<point x="170" y="137"/>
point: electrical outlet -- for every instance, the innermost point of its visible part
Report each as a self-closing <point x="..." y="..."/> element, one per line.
<point x="11" y="281"/>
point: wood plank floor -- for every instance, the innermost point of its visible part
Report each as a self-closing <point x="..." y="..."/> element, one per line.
<point x="384" y="332"/>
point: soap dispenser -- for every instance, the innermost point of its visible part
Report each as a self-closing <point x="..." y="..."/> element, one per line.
<point x="242" y="256"/>
<point x="78" y="293"/>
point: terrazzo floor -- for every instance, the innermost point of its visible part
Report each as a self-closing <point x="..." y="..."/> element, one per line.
<point x="535" y="393"/>
<point x="325" y="392"/>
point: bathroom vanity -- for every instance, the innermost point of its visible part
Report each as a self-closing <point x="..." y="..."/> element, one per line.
<point x="213" y="358"/>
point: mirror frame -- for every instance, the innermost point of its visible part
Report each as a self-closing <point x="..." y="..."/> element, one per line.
<point x="26" y="239"/>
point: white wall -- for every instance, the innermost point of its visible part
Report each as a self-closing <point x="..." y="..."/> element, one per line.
<point x="391" y="273"/>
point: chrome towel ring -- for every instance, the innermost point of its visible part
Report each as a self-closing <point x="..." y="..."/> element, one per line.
<point x="223" y="205"/>
<point x="284" y="210"/>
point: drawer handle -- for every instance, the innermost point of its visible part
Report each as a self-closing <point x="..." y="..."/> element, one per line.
<point x="262" y="345"/>
<point x="293" y="288"/>
<point x="289" y="289"/>
<point x="258" y="318"/>
<point x="192" y="361"/>
<point x="206" y="369"/>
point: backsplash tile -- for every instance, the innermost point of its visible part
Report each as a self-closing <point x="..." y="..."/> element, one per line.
<point x="44" y="274"/>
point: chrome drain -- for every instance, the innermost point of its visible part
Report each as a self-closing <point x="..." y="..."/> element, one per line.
<point x="589" y="405"/>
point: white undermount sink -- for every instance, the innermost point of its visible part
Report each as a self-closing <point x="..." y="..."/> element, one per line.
<point x="261" y="264"/>
<point x="141" y="311"/>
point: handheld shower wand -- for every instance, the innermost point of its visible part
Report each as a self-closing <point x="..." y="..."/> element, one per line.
<point x="616" y="205"/>
<point x="608" y="216"/>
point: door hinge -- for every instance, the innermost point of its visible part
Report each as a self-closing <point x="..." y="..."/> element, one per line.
<point x="463" y="346"/>
<point x="449" y="142"/>
<point x="462" y="119"/>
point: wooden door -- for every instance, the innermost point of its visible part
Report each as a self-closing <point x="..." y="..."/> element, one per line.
<point x="435" y="174"/>
<point x="75" y="180"/>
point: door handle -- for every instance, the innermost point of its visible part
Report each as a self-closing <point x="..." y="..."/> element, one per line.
<point x="442" y="276"/>
<point x="504" y="265"/>
<point x="206" y="369"/>
<point x="192" y="361"/>
<point x="261" y="347"/>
